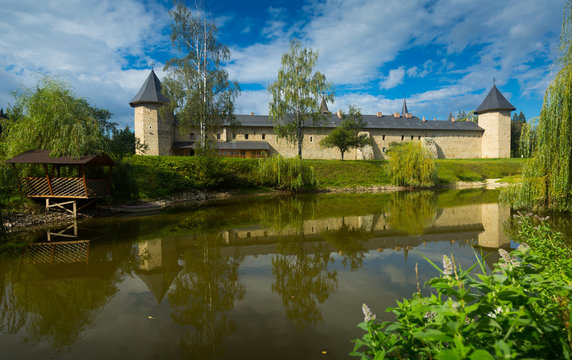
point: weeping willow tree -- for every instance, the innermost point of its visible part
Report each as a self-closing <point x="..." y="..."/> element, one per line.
<point x="547" y="177"/>
<point x="50" y="117"/>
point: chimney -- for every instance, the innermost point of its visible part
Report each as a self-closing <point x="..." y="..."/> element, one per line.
<point x="251" y="113"/>
<point x="424" y="119"/>
<point x="408" y="115"/>
<point x="339" y="113"/>
<point x="379" y="114"/>
<point x="452" y="119"/>
<point x="434" y="119"/>
<point x="396" y="115"/>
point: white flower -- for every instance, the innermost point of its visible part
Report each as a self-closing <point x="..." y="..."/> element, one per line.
<point x="447" y="266"/>
<point x="368" y="316"/>
<point x="495" y="312"/>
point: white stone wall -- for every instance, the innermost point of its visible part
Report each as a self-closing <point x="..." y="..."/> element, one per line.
<point x="151" y="131"/>
<point x="496" y="138"/>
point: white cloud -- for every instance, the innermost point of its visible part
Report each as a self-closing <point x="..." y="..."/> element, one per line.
<point x="394" y="78"/>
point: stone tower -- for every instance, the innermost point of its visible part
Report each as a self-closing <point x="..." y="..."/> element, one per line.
<point x="494" y="117"/>
<point x="149" y="128"/>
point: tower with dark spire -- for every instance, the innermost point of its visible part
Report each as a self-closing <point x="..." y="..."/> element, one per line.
<point x="324" y="107"/>
<point x="149" y="128"/>
<point x="404" y="111"/>
<point x="494" y="118"/>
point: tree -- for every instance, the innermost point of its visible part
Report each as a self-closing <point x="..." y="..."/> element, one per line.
<point x="547" y="176"/>
<point x="296" y="93"/>
<point x="201" y="94"/>
<point x="515" y="133"/>
<point x="346" y="136"/>
<point x="49" y="116"/>
<point x="411" y="164"/>
<point x="121" y="143"/>
<point x="466" y="116"/>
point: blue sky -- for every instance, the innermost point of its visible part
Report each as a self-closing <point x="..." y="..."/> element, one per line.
<point x="441" y="54"/>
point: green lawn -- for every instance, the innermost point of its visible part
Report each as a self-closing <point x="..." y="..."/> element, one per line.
<point x="354" y="173"/>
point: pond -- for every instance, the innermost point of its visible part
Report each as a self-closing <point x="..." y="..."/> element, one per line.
<point x="254" y="277"/>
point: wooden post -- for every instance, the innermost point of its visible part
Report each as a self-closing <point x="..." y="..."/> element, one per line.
<point x="49" y="181"/>
<point x="75" y="209"/>
<point x="84" y="184"/>
<point x="47" y="203"/>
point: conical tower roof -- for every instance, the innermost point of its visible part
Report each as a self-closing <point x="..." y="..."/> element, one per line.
<point x="150" y="92"/>
<point x="324" y="107"/>
<point x="494" y="101"/>
<point x="404" y="108"/>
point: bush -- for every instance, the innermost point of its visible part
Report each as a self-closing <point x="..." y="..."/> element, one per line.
<point x="411" y="164"/>
<point x="286" y="174"/>
<point x="519" y="310"/>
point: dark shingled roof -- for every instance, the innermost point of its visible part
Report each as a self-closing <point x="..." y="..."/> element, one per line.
<point x="43" y="157"/>
<point x="227" y="145"/>
<point x="371" y="122"/>
<point x="150" y="92"/>
<point x="324" y="107"/>
<point x="494" y="101"/>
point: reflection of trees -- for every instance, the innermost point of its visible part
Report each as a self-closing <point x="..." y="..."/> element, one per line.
<point x="58" y="303"/>
<point x="412" y="212"/>
<point x="286" y="212"/>
<point x="302" y="279"/>
<point x="203" y="293"/>
<point x="347" y="241"/>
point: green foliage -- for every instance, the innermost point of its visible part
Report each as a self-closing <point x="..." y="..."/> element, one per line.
<point x="199" y="89"/>
<point x="547" y="177"/>
<point x="346" y="136"/>
<point x="515" y="133"/>
<point x="121" y="143"/>
<point x="519" y="310"/>
<point x="285" y="174"/>
<point x="462" y="115"/>
<point x="296" y="93"/>
<point x="411" y="164"/>
<point x="50" y="117"/>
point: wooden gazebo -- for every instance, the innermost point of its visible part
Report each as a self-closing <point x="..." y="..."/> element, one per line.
<point x="53" y="187"/>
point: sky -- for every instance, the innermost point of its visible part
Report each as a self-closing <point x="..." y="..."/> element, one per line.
<point x="442" y="55"/>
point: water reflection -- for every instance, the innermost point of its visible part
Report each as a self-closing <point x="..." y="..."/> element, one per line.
<point x="297" y="252"/>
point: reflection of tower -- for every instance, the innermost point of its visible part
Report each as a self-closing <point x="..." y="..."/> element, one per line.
<point x="493" y="218"/>
<point x="158" y="266"/>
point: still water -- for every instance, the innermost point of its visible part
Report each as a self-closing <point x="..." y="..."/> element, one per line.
<point x="251" y="278"/>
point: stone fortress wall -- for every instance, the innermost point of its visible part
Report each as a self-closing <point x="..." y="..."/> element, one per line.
<point x="490" y="139"/>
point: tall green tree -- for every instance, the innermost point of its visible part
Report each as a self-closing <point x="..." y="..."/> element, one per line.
<point x="297" y="92"/>
<point x="50" y="116"/>
<point x="515" y="133"/>
<point x="547" y="176"/>
<point x="346" y="136"/>
<point x="201" y="94"/>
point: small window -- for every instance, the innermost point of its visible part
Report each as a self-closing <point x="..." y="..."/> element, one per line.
<point x="218" y="136"/>
<point x="246" y="136"/>
<point x="411" y="137"/>
<point x="233" y="136"/>
<point x="192" y="136"/>
<point x="248" y="234"/>
<point x="242" y="152"/>
<point x="263" y="136"/>
<point x="311" y="139"/>
<point x="383" y="150"/>
<point x="402" y="137"/>
<point x="419" y="137"/>
<point x="383" y="137"/>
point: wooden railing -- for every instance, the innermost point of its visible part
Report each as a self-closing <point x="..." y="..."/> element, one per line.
<point x="64" y="187"/>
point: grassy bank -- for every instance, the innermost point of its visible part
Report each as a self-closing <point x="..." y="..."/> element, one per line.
<point x="147" y="177"/>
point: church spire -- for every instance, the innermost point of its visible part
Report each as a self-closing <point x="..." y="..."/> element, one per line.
<point x="324" y="107"/>
<point x="404" y="108"/>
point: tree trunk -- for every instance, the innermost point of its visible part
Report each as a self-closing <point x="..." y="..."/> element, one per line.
<point x="342" y="155"/>
<point x="299" y="123"/>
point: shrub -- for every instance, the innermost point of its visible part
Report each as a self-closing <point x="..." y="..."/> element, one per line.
<point x="519" y="310"/>
<point x="286" y="174"/>
<point x="411" y="164"/>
